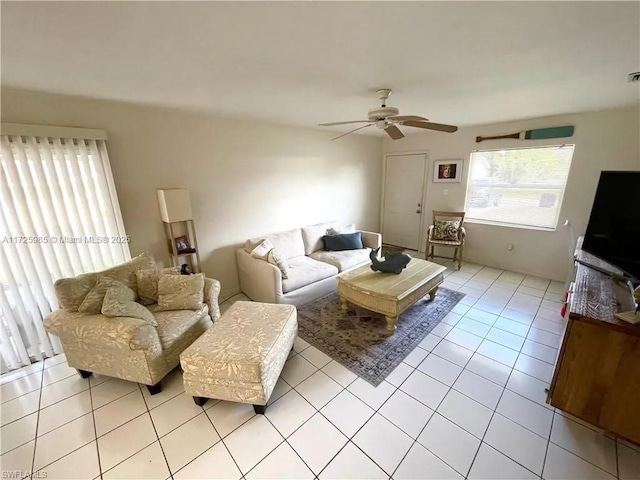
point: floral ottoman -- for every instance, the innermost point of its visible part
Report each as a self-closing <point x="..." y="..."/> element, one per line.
<point x="240" y="357"/>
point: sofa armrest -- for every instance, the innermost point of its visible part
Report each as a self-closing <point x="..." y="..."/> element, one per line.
<point x="371" y="240"/>
<point x="259" y="280"/>
<point x="211" y="294"/>
<point x="98" y="330"/>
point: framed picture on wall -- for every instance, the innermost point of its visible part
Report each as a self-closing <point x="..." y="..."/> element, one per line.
<point x="447" y="171"/>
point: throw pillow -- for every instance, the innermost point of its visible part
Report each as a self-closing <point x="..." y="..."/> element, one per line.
<point x="119" y="302"/>
<point x="274" y="258"/>
<point x="181" y="292"/>
<point x="446" y="230"/>
<point x="262" y="250"/>
<point x="147" y="280"/>
<point x="92" y="303"/>
<point x="343" y="241"/>
<point x="344" y="229"/>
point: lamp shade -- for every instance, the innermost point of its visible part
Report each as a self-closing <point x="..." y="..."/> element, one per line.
<point x="174" y="205"/>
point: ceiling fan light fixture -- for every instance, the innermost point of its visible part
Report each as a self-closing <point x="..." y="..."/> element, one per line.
<point x="381" y="113"/>
<point x="388" y="118"/>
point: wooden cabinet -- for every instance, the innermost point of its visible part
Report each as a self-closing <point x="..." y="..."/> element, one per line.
<point x="597" y="374"/>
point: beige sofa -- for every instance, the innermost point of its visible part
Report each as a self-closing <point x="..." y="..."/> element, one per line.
<point x="123" y="347"/>
<point x="312" y="271"/>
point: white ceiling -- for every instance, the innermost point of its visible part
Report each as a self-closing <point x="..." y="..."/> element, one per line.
<point x="305" y="63"/>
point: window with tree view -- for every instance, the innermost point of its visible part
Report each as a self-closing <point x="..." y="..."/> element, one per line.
<point x="520" y="187"/>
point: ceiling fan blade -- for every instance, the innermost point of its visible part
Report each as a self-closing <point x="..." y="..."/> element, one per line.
<point x="394" y="132"/>
<point x="342" y="123"/>
<point x="441" y="127"/>
<point x="354" y="130"/>
<point x="403" y="118"/>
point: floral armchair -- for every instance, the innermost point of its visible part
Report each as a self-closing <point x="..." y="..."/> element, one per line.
<point x="123" y="347"/>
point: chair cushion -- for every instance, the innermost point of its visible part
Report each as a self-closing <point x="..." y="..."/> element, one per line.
<point x="455" y="243"/>
<point x="288" y="243"/>
<point x="304" y="271"/>
<point x="92" y="303"/>
<point x="343" y="260"/>
<point x="312" y="236"/>
<point x="118" y="302"/>
<point x="446" y="230"/>
<point x="126" y="272"/>
<point x="147" y="281"/>
<point x="71" y="292"/>
<point x="173" y="324"/>
<point x="180" y="292"/>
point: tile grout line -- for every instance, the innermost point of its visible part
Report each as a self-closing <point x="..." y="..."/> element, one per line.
<point x="546" y="451"/>
<point x="148" y="412"/>
<point x="221" y="441"/>
<point x="95" y="429"/>
<point x="35" y="438"/>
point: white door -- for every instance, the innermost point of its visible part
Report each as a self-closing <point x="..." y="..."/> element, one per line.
<point x="403" y="196"/>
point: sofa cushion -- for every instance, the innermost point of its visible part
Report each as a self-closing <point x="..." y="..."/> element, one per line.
<point x="147" y="281"/>
<point x="262" y="249"/>
<point x="274" y="258"/>
<point x="312" y="236"/>
<point x="71" y="292"/>
<point x="288" y="243"/>
<point x="343" y="241"/>
<point x="343" y="260"/>
<point x="173" y="324"/>
<point x="304" y="271"/>
<point x="351" y="228"/>
<point x="180" y="292"/>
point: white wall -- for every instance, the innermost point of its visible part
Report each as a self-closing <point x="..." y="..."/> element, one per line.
<point x="245" y="178"/>
<point x="605" y="140"/>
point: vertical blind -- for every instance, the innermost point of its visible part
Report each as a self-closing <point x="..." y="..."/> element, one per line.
<point x="59" y="217"/>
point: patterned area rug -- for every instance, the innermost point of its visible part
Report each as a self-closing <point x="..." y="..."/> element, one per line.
<point x="357" y="338"/>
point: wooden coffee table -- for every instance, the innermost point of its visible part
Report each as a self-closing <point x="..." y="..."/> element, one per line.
<point x="388" y="293"/>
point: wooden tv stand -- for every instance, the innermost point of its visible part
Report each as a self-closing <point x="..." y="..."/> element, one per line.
<point x="597" y="373"/>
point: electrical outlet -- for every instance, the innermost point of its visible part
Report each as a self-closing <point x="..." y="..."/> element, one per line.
<point x="445" y="192"/>
<point x="510" y="247"/>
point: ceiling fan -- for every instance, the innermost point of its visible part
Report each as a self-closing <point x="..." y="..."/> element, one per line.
<point x="387" y="119"/>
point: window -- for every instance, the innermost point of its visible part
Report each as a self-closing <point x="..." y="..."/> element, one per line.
<point x="520" y="187"/>
<point x="59" y="217"/>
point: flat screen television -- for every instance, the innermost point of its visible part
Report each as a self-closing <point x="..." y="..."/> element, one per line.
<point x="613" y="232"/>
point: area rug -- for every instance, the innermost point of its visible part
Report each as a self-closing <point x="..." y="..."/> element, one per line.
<point x="357" y="338"/>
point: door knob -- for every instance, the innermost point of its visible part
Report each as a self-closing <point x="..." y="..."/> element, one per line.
<point x="418" y="211"/>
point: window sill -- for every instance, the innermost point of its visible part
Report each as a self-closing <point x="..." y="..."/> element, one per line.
<point x="509" y="225"/>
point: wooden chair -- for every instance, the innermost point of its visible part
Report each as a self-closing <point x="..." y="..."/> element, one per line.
<point x="457" y="245"/>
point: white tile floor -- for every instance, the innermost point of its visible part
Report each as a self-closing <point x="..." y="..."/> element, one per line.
<point x="467" y="403"/>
